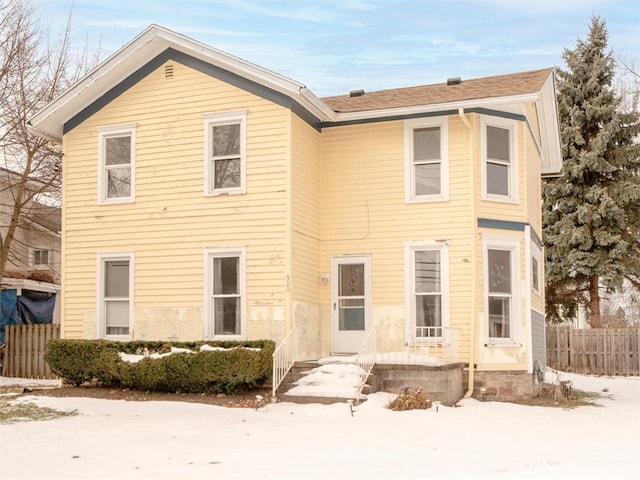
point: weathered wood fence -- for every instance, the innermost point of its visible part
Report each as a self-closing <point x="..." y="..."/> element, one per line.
<point x="594" y="351"/>
<point x="24" y="350"/>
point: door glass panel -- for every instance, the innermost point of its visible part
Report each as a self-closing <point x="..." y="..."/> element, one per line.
<point x="351" y="315"/>
<point x="351" y="297"/>
<point x="351" y="280"/>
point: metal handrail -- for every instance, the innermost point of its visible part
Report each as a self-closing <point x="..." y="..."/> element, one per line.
<point x="365" y="360"/>
<point x="284" y="357"/>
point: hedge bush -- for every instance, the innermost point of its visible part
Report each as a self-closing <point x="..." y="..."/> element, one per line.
<point x="208" y="371"/>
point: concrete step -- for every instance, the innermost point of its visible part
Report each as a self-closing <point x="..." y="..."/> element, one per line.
<point x="305" y="399"/>
<point x="299" y="371"/>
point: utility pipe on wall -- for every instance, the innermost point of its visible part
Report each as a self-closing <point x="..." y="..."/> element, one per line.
<point x="474" y="266"/>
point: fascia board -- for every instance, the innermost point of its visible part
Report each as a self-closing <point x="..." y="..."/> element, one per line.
<point x="548" y="111"/>
<point x="435" y="107"/>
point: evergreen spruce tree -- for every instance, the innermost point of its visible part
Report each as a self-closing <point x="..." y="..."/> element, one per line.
<point x="591" y="214"/>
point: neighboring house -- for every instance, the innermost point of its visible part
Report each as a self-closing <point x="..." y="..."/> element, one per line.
<point x="31" y="278"/>
<point x="208" y="198"/>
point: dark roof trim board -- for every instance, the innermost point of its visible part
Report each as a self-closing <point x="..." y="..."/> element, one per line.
<point x="201" y="66"/>
<point x="509" y="225"/>
<point x="482" y="111"/>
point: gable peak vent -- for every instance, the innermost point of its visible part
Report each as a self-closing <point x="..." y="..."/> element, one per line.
<point x="168" y="71"/>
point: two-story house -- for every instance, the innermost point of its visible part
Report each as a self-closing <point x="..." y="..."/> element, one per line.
<point x="206" y="197"/>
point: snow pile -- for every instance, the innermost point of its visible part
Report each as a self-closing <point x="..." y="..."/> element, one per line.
<point x="134" y="358"/>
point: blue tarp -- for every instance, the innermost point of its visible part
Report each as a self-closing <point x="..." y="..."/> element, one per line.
<point x="24" y="309"/>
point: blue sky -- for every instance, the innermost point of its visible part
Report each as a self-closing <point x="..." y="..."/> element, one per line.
<point x="333" y="46"/>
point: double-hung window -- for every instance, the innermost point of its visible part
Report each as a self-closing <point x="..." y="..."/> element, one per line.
<point x="499" y="159"/>
<point x="427" y="281"/>
<point x="225" y="305"/>
<point x="40" y="258"/>
<point x="536" y="259"/>
<point x="501" y="259"/>
<point x="116" y="158"/>
<point x="115" y="294"/>
<point x="225" y="152"/>
<point x="426" y="159"/>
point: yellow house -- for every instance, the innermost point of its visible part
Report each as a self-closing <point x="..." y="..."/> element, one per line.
<point x="208" y="198"/>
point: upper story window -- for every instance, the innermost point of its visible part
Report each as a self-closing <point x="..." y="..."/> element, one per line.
<point x="426" y="159"/>
<point x="225" y="152"/>
<point x="499" y="144"/>
<point x="40" y="257"/>
<point x="116" y="158"/>
<point x="427" y="296"/>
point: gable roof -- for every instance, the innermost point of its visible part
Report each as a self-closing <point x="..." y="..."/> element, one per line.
<point x="507" y="93"/>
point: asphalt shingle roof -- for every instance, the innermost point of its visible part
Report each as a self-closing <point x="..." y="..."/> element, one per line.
<point x="472" y="89"/>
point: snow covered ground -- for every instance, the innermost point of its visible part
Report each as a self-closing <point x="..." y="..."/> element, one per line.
<point x="112" y="439"/>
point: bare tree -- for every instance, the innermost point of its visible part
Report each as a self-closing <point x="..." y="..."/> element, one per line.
<point x="32" y="73"/>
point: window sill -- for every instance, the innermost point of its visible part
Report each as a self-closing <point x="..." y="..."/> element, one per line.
<point x="506" y="344"/>
<point x="434" y="199"/>
<point x="222" y="338"/>
<point x="117" y="338"/>
<point x="499" y="199"/>
<point x="119" y="201"/>
<point x="437" y="341"/>
<point x="224" y="192"/>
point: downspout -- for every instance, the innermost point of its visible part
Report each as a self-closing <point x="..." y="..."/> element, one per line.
<point x="474" y="267"/>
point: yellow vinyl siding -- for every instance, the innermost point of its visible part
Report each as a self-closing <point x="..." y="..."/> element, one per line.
<point x="305" y="233"/>
<point x="171" y="221"/>
<point x="534" y="210"/>
<point x="363" y="211"/>
<point x="306" y="170"/>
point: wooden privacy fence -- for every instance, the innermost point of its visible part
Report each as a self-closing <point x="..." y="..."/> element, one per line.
<point x="24" y="350"/>
<point x="594" y="351"/>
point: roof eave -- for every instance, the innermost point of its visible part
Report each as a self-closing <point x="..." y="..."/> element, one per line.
<point x="154" y="40"/>
<point x="547" y="108"/>
<point x="437" y="107"/>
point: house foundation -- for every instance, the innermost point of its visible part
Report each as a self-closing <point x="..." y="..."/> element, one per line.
<point x="442" y="383"/>
<point x="503" y="385"/>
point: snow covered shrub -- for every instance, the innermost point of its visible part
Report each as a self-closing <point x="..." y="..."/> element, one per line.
<point x="78" y="361"/>
<point x="196" y="367"/>
<point x="410" y="398"/>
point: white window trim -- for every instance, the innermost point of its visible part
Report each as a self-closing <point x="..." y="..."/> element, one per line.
<point x="512" y="126"/>
<point x="511" y="244"/>
<point x="410" y="247"/>
<point x="40" y="266"/>
<point x="101" y="327"/>
<point x="409" y="127"/>
<point x="224" y="118"/>
<point x="106" y="132"/>
<point x="209" y="322"/>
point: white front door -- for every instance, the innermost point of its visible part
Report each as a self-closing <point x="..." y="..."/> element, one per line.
<point x="350" y="302"/>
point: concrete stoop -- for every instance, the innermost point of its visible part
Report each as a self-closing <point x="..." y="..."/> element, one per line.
<point x="442" y="383"/>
